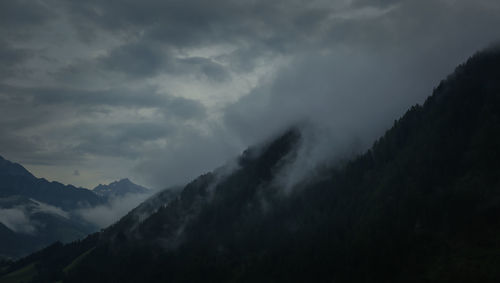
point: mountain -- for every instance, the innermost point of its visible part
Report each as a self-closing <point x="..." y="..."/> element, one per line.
<point x="119" y="188"/>
<point x="16" y="180"/>
<point x="421" y="205"/>
<point x="35" y="213"/>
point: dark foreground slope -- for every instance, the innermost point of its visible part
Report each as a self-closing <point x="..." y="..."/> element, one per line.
<point x="422" y="205"/>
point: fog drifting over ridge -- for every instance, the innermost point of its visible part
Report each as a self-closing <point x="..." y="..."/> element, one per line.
<point x="110" y="212"/>
<point x="162" y="91"/>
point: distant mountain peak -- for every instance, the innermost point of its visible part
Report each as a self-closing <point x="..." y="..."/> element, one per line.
<point x="8" y="168"/>
<point x="119" y="188"/>
<point x="123" y="181"/>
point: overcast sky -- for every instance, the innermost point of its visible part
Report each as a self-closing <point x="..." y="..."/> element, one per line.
<point x="161" y="91"/>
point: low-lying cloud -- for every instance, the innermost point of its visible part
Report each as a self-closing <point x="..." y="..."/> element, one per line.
<point x="104" y="215"/>
<point x="17" y="220"/>
<point x="49" y="209"/>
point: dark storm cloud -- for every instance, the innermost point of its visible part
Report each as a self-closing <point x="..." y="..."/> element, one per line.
<point x="23" y="14"/>
<point x="11" y="58"/>
<point x="32" y="150"/>
<point x="147" y="97"/>
<point x="184" y="108"/>
<point x="23" y="138"/>
<point x="204" y="67"/>
<point x="182" y="23"/>
<point x="124" y="140"/>
<point x="376" y="3"/>
<point x="136" y="60"/>
<point x="178" y="87"/>
<point x="120" y="140"/>
<point x="143" y="59"/>
<point x="276" y="25"/>
<point x="81" y="97"/>
<point x="279" y="27"/>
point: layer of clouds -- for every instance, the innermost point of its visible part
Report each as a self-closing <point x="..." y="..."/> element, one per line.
<point x="18" y="218"/>
<point x="104" y="215"/>
<point x="162" y="91"/>
<point x="41" y="207"/>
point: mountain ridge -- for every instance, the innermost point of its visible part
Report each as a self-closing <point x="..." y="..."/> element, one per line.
<point x="35" y="212"/>
<point x="10" y="168"/>
<point x="119" y="188"/>
<point x="16" y="180"/>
